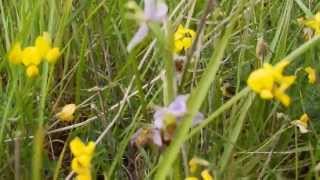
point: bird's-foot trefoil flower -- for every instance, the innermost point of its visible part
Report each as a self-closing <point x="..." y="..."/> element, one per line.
<point x="67" y="112"/>
<point x="302" y="123"/>
<point x="196" y="166"/>
<point x="15" y="54"/>
<point x="312" y="76"/>
<point x="52" y="55"/>
<point x="154" y="11"/>
<point x="205" y="174"/>
<point x="313" y="23"/>
<point x="183" y="39"/>
<point x="43" y="44"/>
<point x="32" y="56"/>
<point x="269" y="82"/>
<point x="32" y="71"/>
<point x="81" y="162"/>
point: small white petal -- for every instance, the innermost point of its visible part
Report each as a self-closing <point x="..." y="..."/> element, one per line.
<point x="302" y="126"/>
<point x="156" y="137"/>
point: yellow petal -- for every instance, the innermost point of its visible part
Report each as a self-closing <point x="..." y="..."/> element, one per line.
<point x="66" y="114"/>
<point x="317" y="17"/>
<point x="31" y="55"/>
<point x="311" y="74"/>
<point x="180" y="29"/>
<point x="43" y="44"/>
<point x="286" y="82"/>
<point x="77" y="147"/>
<point x="77" y="167"/>
<point x="84" y="176"/>
<point x="195" y="162"/>
<point x="15" y="54"/>
<point x="90" y="148"/>
<point x="191" y="178"/>
<point x="266" y="94"/>
<point x="178" y="46"/>
<point x="304" y="118"/>
<point x="193" y="165"/>
<point x="187" y="42"/>
<point x="282" y="97"/>
<point x="261" y="79"/>
<point x="205" y="174"/>
<point x="279" y="67"/>
<point x="52" y="55"/>
<point x="32" y="71"/>
<point x="84" y="161"/>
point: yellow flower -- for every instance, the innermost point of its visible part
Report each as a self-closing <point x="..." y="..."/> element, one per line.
<point x="183" y="38"/>
<point x="15" y="54"/>
<point x="43" y="44"/>
<point x="31" y="55"/>
<point x="269" y="82"/>
<point x="205" y="174"/>
<point x="52" y="55"/>
<point x="195" y="162"/>
<point x="302" y="123"/>
<point x="84" y="176"/>
<point x="32" y="71"/>
<point x="191" y="178"/>
<point x="78" y="148"/>
<point x="81" y="162"/>
<point x="262" y="81"/>
<point x="66" y="114"/>
<point x="81" y="165"/>
<point x="193" y="165"/>
<point x="282" y="96"/>
<point x="311" y="74"/>
<point x="314" y="23"/>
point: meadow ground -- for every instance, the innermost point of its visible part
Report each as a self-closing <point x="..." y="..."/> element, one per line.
<point x="155" y="89"/>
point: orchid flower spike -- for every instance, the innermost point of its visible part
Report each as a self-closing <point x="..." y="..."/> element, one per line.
<point x="153" y="11"/>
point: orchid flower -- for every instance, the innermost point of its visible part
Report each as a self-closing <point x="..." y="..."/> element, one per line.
<point x="178" y="108"/>
<point x="165" y="121"/>
<point x="153" y="11"/>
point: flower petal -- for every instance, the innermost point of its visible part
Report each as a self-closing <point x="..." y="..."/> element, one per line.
<point x="197" y="119"/>
<point x="138" y="37"/>
<point x="156" y="137"/>
<point x="159" y="117"/>
<point x="77" y="146"/>
<point x="150" y="7"/>
<point x="161" y="12"/>
<point x="179" y="106"/>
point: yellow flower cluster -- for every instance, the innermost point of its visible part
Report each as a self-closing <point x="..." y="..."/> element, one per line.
<point x="183" y="38"/>
<point x="32" y="56"/>
<point x="270" y="83"/>
<point x="313" y="23"/>
<point x="193" y="165"/>
<point x="81" y="163"/>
